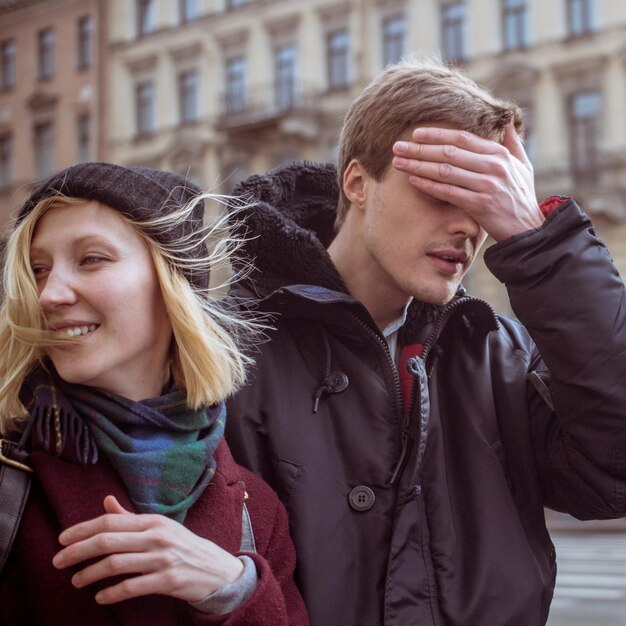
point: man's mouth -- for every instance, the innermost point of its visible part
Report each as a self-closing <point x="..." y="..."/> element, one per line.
<point x="450" y="260"/>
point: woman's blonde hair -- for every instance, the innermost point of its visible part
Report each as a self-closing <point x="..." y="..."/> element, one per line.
<point x="207" y="357"/>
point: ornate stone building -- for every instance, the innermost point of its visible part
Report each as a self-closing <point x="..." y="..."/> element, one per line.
<point x="224" y="88"/>
<point x="219" y="89"/>
<point x="51" y="73"/>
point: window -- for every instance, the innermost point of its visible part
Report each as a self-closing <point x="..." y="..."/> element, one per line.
<point x="44" y="149"/>
<point x="188" y="96"/>
<point x="514" y="24"/>
<point x="235" y="4"/>
<point x="579" y="17"/>
<point x="46" y="54"/>
<point x="6" y="160"/>
<point x="85" y="42"/>
<point x="236" y="84"/>
<point x="394" y="39"/>
<point x="188" y="10"/>
<point x="83" y="138"/>
<point x="337" y="53"/>
<point x="146" y="17"/>
<point x="285" y="73"/>
<point x="453" y="31"/>
<point x="585" y="110"/>
<point x="144" y="96"/>
<point x="7" y="64"/>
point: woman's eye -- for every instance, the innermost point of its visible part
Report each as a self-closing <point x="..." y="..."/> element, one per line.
<point x="92" y="260"/>
<point x="38" y="270"/>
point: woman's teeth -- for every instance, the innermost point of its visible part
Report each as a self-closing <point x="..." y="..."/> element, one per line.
<point x="80" y="330"/>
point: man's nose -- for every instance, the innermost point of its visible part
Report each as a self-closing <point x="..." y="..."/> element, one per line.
<point x="57" y="290"/>
<point x="462" y="223"/>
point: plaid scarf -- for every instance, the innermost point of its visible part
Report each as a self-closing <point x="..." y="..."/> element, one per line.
<point x="162" y="449"/>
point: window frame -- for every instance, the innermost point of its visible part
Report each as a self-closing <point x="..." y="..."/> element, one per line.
<point x="589" y="127"/>
<point x="391" y="41"/>
<point x="45" y="53"/>
<point x="579" y="18"/>
<point x="285" y="75"/>
<point x="338" y="59"/>
<point x="145" y="108"/>
<point x="44" y="144"/>
<point x="8" y="64"/>
<point x="7" y="146"/>
<point x="518" y="15"/>
<point x="84" y="42"/>
<point x="84" y="137"/>
<point x="145" y="17"/>
<point x="454" y="27"/>
<point x="185" y="14"/>
<point x="236" y="83"/>
<point x="188" y="96"/>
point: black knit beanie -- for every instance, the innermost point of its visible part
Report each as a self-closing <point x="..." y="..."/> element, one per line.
<point x="139" y="193"/>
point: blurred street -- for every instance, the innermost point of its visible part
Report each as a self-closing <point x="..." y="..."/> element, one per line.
<point x="591" y="578"/>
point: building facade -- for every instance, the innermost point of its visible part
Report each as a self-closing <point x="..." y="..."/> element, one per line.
<point x="50" y="80"/>
<point x="219" y="89"/>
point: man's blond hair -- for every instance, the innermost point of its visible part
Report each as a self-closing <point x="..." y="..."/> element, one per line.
<point x="415" y="93"/>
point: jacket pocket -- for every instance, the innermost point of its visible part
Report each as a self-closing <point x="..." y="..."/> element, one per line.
<point x="287" y="476"/>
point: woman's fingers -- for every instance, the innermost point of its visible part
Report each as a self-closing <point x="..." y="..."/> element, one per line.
<point x="157" y="554"/>
<point x="134" y="587"/>
<point x="112" y="505"/>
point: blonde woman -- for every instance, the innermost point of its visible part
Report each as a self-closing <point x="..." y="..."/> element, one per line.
<point x="113" y="371"/>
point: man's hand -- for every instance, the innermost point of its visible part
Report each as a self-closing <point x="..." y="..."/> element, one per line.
<point x="157" y="554"/>
<point x="491" y="182"/>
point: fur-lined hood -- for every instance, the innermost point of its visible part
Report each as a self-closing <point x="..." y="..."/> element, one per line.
<point x="288" y="226"/>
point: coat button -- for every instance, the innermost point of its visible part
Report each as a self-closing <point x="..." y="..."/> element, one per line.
<point x="338" y="381"/>
<point x="361" y="498"/>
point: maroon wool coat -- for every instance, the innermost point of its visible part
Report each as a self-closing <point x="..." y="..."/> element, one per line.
<point x="32" y="591"/>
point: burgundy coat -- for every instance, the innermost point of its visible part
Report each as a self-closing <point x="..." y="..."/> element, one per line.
<point x="32" y="591"/>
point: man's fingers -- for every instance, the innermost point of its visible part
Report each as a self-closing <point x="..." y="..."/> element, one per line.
<point x="421" y="152"/>
<point x="513" y="143"/>
<point x="454" y="137"/>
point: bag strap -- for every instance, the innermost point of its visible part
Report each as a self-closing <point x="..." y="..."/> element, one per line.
<point x="15" y="478"/>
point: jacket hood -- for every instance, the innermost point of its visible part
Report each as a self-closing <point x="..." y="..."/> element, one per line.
<point x="287" y="222"/>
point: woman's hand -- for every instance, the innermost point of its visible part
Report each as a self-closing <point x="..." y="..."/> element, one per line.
<point x="158" y="554"/>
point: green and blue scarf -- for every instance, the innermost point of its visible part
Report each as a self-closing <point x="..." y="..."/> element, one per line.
<point x="163" y="450"/>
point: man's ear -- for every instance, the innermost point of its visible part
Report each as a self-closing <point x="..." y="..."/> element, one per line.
<point x="354" y="183"/>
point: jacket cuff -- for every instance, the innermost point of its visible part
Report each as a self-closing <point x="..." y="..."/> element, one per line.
<point x="550" y="204"/>
<point x="232" y="596"/>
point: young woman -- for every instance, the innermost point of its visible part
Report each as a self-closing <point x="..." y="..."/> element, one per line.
<point x="113" y="371"/>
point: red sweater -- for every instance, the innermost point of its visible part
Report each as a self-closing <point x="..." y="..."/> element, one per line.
<point x="32" y="591"/>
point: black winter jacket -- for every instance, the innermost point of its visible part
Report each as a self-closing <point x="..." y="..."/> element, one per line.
<point x="437" y="518"/>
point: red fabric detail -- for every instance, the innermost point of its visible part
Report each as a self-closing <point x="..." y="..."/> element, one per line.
<point x="550" y="204"/>
<point x="406" y="378"/>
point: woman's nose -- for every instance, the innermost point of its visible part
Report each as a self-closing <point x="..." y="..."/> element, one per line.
<point x="57" y="289"/>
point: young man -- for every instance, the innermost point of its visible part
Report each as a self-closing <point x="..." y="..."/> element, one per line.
<point x="414" y="435"/>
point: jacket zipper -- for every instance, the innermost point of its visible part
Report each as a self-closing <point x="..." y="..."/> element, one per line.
<point x="405" y="434"/>
<point x="441" y="321"/>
